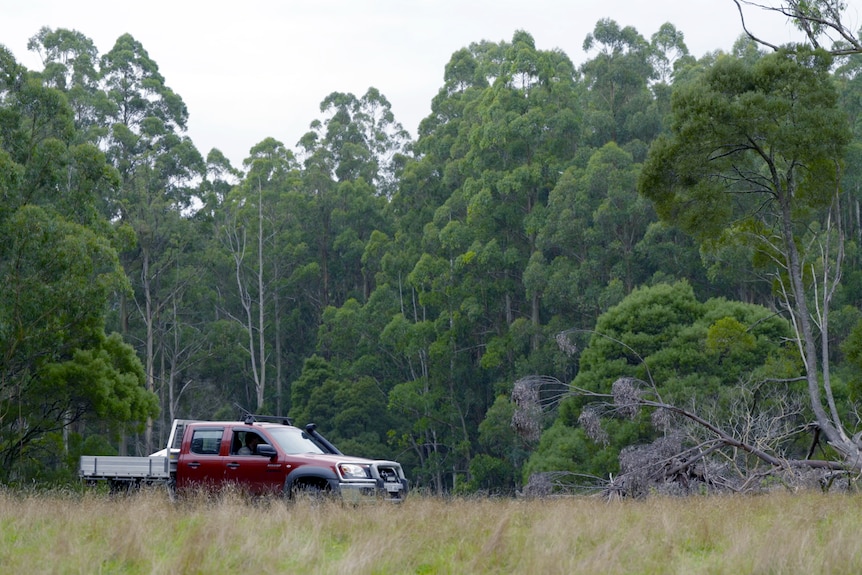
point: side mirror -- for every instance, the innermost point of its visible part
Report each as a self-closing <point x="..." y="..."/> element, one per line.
<point x="267" y="450"/>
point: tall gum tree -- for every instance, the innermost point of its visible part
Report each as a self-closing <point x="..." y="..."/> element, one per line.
<point x="595" y="221"/>
<point x="619" y="103"/>
<point x="157" y="166"/>
<point x="349" y="159"/>
<point x="753" y="155"/>
<point x="70" y="64"/>
<point x="252" y="228"/>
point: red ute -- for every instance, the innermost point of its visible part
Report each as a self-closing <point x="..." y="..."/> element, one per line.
<point x="265" y="457"/>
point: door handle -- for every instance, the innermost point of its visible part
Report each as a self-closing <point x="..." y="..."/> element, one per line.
<point x="233" y="465"/>
<point x="194" y="464"/>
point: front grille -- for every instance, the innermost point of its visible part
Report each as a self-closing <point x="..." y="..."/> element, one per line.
<point x="388" y="474"/>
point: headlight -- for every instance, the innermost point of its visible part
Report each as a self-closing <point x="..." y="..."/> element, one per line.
<point x="353" y="471"/>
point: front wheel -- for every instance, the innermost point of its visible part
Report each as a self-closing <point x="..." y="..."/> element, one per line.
<point x="311" y="491"/>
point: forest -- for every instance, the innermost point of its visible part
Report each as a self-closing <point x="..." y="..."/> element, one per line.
<point x="566" y="264"/>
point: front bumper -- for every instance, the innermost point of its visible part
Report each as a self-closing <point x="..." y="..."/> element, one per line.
<point x="358" y="491"/>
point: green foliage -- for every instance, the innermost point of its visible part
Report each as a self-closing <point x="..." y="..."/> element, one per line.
<point x="751" y="167"/>
<point x="60" y="271"/>
<point x="690" y="353"/>
<point x="350" y="412"/>
<point x="567" y="448"/>
<point x="747" y="117"/>
<point x="621" y="108"/>
<point x="107" y="380"/>
<point x="490" y="475"/>
<point x="591" y="234"/>
<point x="852" y="349"/>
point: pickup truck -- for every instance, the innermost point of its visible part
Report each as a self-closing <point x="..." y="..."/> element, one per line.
<point x="260" y="455"/>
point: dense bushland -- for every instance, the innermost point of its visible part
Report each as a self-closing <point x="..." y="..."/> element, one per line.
<point x="688" y="222"/>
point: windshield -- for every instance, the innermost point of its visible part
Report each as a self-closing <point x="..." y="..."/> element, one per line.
<point x="294" y="441"/>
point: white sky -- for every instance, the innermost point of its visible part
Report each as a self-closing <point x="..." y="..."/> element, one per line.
<point x="253" y="69"/>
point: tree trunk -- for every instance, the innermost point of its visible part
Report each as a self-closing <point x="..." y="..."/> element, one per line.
<point x="279" y="408"/>
<point x="801" y="318"/>
<point x="150" y="359"/>
<point x="261" y="346"/>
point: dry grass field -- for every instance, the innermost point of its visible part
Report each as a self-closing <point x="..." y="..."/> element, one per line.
<point x="147" y="533"/>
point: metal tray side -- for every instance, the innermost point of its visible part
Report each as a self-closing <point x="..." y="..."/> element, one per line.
<point x="119" y="467"/>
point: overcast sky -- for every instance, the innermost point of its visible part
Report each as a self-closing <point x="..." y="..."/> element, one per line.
<point x="260" y="68"/>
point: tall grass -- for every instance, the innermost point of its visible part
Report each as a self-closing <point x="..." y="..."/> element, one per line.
<point x="147" y="533"/>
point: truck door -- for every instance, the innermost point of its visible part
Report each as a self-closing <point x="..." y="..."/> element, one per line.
<point x="200" y="464"/>
<point x="255" y="473"/>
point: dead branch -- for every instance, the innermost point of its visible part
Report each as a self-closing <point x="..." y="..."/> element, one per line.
<point x="667" y="465"/>
<point x="814" y="19"/>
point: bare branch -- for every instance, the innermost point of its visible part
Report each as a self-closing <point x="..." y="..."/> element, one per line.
<point x="745" y="28"/>
<point x="818" y="19"/>
<point x="667" y="462"/>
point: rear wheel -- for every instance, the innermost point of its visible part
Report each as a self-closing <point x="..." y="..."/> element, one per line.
<point x="171" y="488"/>
<point x="123" y="487"/>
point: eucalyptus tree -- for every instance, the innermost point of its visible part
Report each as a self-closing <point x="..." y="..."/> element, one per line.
<point x="59" y="269"/>
<point x="158" y="167"/>
<point x="848" y="300"/>
<point x="337" y="395"/>
<point x="670" y="59"/>
<point x="253" y="225"/>
<point x="527" y="132"/>
<point x="410" y="267"/>
<point x="753" y="158"/>
<point x="669" y="52"/>
<point x="71" y="64"/>
<point x="849" y="78"/>
<point x="589" y="244"/>
<point x="221" y="176"/>
<point x="362" y="137"/>
<point x="349" y="159"/>
<point x="621" y="107"/>
<point x="435" y="172"/>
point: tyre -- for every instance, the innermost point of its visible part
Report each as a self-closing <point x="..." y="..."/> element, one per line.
<point x="310" y="491"/>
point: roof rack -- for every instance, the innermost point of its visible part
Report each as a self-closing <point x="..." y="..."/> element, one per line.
<point x="282" y="419"/>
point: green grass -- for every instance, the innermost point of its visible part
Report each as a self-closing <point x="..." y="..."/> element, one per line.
<point x="146" y="533"/>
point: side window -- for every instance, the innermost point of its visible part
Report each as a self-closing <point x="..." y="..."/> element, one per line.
<point x="206" y="441"/>
<point x="246" y="442"/>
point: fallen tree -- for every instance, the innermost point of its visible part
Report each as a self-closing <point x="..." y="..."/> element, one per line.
<point x="692" y="453"/>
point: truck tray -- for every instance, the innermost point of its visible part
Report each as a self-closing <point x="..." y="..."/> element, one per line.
<point x="120" y="467"/>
